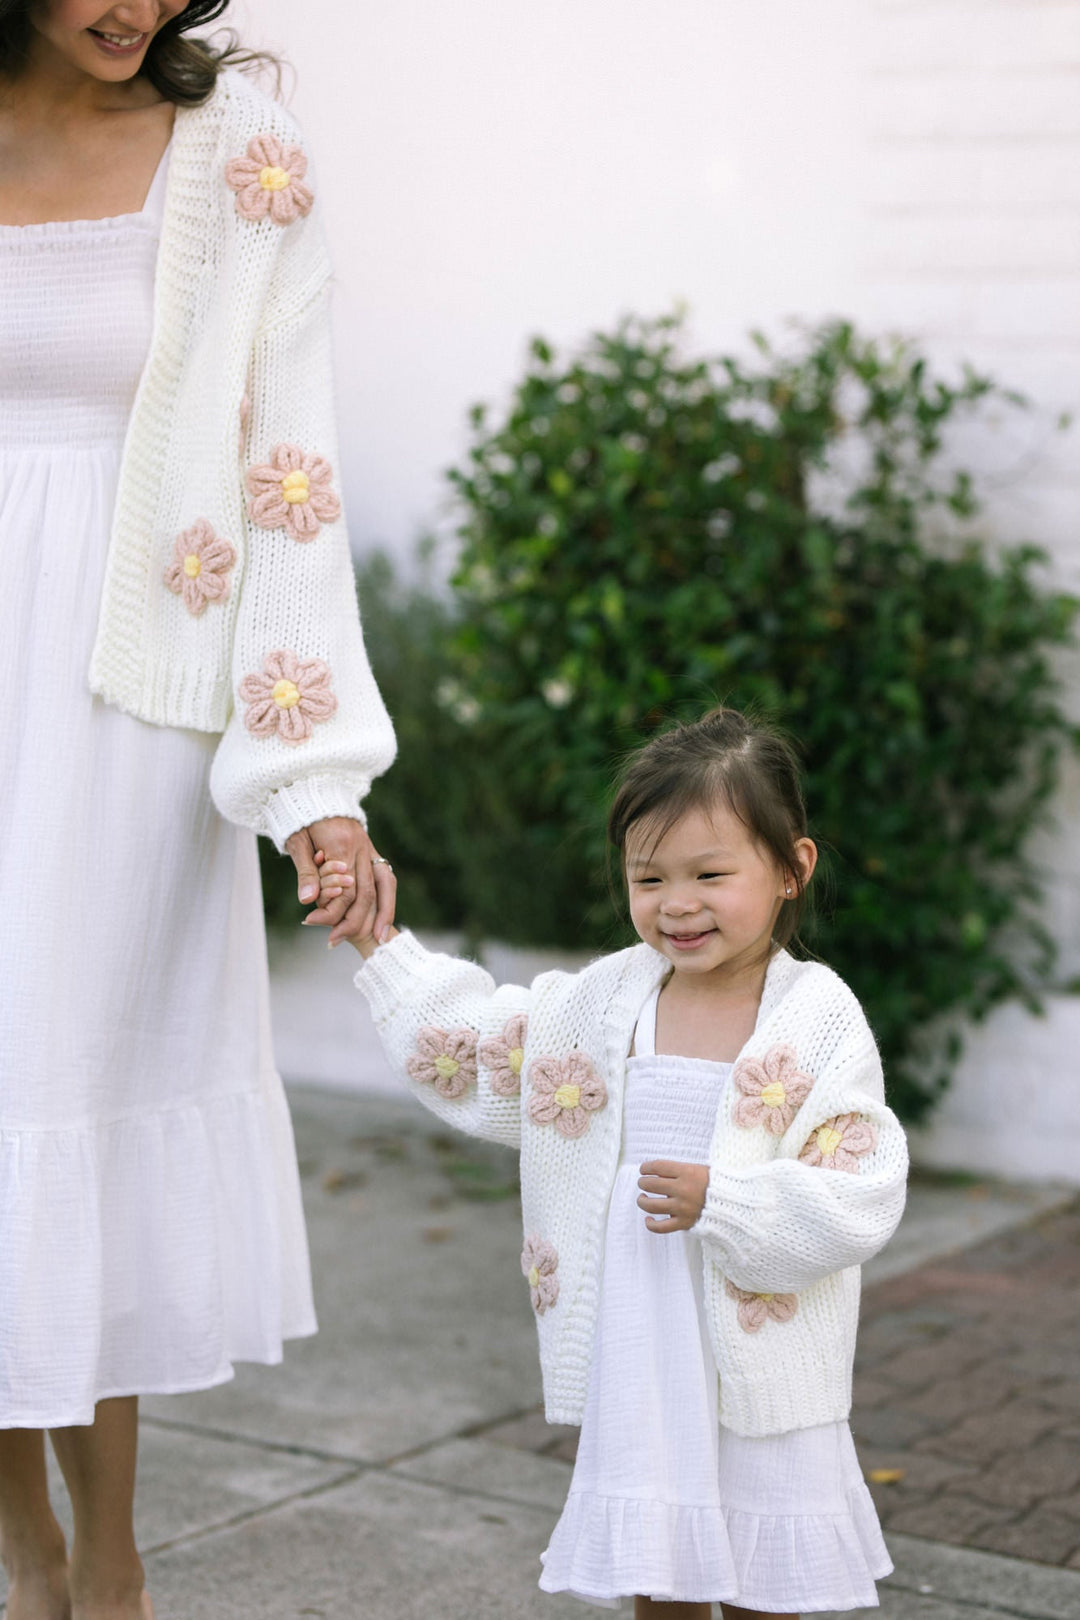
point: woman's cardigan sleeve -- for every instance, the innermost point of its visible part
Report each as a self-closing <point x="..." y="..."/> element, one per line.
<point x="781" y="1225"/>
<point x="434" y="1011"/>
<point x="298" y="596"/>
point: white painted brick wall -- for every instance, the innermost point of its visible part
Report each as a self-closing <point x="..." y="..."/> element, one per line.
<point x="972" y="224"/>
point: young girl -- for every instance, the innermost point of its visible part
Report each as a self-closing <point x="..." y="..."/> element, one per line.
<point x="706" y="1160"/>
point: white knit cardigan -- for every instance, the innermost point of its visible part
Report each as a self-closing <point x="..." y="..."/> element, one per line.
<point x="772" y="1224"/>
<point x="239" y="364"/>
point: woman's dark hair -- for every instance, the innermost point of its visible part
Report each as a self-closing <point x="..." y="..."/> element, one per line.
<point x="185" y="71"/>
<point x="729" y="757"/>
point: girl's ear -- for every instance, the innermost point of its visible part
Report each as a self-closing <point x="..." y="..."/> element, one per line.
<point x="807" y="853"/>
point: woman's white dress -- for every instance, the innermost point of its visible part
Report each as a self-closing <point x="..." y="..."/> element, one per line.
<point x="151" y="1230"/>
<point x="664" y="1501"/>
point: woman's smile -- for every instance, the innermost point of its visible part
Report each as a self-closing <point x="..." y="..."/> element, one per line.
<point x="118" y="44"/>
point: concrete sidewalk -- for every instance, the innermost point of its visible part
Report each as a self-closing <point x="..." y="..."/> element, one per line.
<point x="394" y="1468"/>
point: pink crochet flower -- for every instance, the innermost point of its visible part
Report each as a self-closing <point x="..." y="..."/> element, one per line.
<point x="565" y="1091"/>
<point x="292" y="491"/>
<point x="199" y="571"/>
<point x="445" y="1059"/>
<point x="840" y="1143"/>
<point x="772" y="1089"/>
<point x="539" y="1263"/>
<point x="757" y="1309"/>
<point x="503" y="1055"/>
<point x="270" y="181"/>
<point x="289" y="698"/>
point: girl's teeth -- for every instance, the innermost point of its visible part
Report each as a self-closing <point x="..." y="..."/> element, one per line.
<point x="122" y="39"/>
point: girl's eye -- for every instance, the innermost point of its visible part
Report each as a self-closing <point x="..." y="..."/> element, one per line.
<point x="641" y="882"/>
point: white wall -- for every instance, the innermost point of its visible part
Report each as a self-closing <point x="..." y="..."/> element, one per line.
<point x="493" y="168"/>
<point x="973" y="243"/>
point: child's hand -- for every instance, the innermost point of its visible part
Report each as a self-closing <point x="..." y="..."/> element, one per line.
<point x="673" y="1191"/>
<point x="335" y="880"/>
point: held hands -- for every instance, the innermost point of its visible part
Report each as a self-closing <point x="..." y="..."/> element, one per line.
<point x="334" y="883"/>
<point x="673" y="1191"/>
<point x="337" y="866"/>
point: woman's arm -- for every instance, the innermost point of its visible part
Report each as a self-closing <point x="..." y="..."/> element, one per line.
<point x="309" y="730"/>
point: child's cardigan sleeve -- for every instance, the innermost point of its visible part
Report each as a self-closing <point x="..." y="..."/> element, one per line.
<point x="455" y="1040"/>
<point x="780" y="1225"/>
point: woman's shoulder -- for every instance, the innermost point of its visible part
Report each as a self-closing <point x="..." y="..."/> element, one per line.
<point x="242" y="109"/>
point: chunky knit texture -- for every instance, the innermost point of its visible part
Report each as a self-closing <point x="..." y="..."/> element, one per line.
<point x="241" y="329"/>
<point x="771" y="1224"/>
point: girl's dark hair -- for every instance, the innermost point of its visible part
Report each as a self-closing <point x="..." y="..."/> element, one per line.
<point x="728" y="757"/>
<point x="185" y="71"/>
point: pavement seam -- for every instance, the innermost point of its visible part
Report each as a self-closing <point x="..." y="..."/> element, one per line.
<point x="236" y="1437"/>
<point x="470" y="1431"/>
<point x="245" y="1517"/>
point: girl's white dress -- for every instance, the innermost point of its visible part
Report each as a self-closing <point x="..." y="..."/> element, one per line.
<point x="664" y="1501"/>
<point x="151" y="1229"/>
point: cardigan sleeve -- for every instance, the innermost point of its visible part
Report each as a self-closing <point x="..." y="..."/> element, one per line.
<point x="450" y="1035"/>
<point x="308" y="730"/>
<point x="778" y="1226"/>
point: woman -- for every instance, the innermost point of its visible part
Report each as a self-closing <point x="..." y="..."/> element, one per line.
<point x="183" y="668"/>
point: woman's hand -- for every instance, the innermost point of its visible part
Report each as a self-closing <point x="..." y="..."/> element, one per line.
<point x="675" y="1192"/>
<point x="363" y="908"/>
<point x="334" y="880"/>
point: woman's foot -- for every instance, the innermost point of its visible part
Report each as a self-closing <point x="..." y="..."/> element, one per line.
<point x="39" y="1595"/>
<point x="109" y="1598"/>
<point x="129" y="1608"/>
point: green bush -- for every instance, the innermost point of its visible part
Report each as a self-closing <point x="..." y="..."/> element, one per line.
<point x="645" y="534"/>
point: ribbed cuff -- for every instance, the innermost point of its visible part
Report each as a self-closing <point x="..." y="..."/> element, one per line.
<point x="392" y="972"/>
<point x="314" y="798"/>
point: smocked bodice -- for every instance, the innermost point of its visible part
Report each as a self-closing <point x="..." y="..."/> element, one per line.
<point x="671" y="1102"/>
<point x="75" y="325"/>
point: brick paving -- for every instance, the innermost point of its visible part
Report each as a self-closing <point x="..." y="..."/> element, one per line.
<point x="967" y="1387"/>
<point x="967" y="1384"/>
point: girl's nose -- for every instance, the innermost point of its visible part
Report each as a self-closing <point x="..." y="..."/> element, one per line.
<point x="677" y="905"/>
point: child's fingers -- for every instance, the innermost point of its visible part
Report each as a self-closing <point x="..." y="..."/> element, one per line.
<point x="662" y="1167"/>
<point x="677" y="1223"/>
<point x="655" y="1206"/>
<point x="658" y="1185"/>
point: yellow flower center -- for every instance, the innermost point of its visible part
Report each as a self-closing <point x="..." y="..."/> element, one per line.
<point x="515" y="1058"/>
<point x="534" y="1277"/>
<point x="766" y="1297"/>
<point x="828" y="1140"/>
<point x="296" y="488"/>
<point x="272" y="178"/>
<point x="774" y="1095"/>
<point x="286" y="694"/>
<point x="446" y="1065"/>
<point x="192" y="566"/>
<point x="568" y="1096"/>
